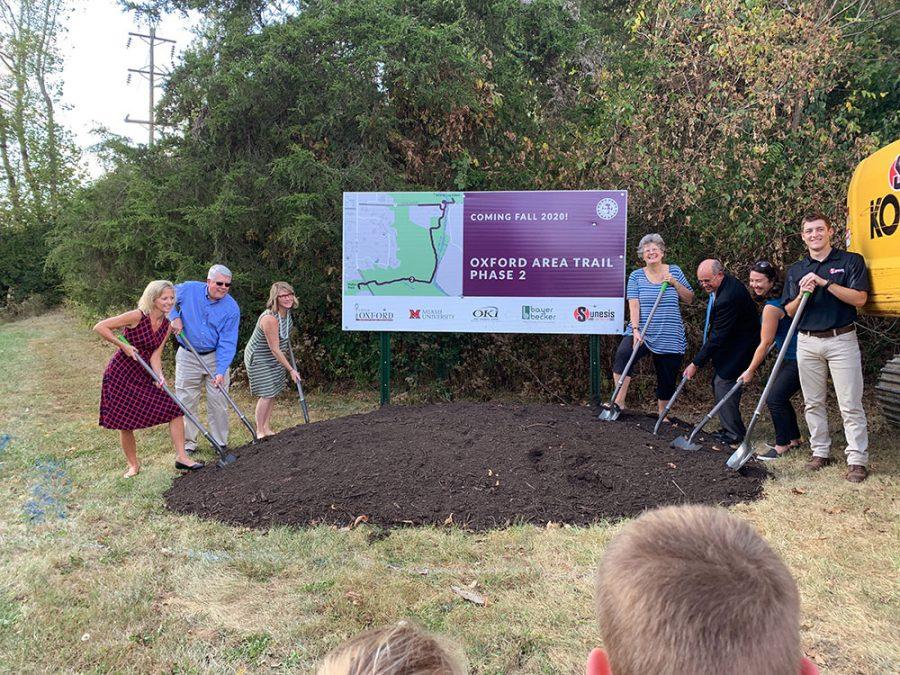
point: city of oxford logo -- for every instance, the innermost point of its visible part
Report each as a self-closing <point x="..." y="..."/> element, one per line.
<point x="607" y="209"/>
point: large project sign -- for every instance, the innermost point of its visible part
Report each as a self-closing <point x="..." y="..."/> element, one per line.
<point x="485" y="262"/>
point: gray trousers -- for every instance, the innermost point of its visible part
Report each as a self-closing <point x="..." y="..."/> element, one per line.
<point x="190" y="380"/>
<point x="730" y="413"/>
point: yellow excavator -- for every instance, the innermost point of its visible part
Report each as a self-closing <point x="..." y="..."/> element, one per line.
<point x="873" y="230"/>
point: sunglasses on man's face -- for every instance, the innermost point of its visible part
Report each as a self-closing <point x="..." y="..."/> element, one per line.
<point x="226" y="284"/>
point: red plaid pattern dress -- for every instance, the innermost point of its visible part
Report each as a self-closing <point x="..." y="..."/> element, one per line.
<point x="129" y="399"/>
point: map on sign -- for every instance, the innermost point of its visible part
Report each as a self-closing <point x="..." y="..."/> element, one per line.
<point x="403" y="243"/>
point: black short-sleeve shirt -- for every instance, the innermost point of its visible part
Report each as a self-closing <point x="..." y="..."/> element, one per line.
<point x="824" y="310"/>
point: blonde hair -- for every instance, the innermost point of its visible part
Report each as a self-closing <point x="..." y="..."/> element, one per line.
<point x="277" y="289"/>
<point x="151" y="294"/>
<point x="403" y="649"/>
<point x="690" y="589"/>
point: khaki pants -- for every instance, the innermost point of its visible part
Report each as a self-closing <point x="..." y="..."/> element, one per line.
<point x="190" y="379"/>
<point x="816" y="357"/>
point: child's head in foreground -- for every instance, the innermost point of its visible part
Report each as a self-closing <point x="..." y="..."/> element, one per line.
<point x="693" y="589"/>
<point x="402" y="649"/>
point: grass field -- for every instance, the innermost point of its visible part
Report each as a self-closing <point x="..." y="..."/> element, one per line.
<point x="96" y="575"/>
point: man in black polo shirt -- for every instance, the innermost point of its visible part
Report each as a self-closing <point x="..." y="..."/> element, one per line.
<point x="839" y="282"/>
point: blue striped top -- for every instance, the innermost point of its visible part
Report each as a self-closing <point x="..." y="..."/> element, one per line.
<point x="666" y="333"/>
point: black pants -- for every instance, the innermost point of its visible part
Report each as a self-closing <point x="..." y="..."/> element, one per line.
<point x="665" y="365"/>
<point x="730" y="413"/>
<point x="784" y="418"/>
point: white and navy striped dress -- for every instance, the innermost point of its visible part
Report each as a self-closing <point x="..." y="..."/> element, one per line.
<point x="267" y="375"/>
<point x="666" y="334"/>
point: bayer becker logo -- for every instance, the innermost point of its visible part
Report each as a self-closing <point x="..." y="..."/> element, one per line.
<point x="607" y="209"/>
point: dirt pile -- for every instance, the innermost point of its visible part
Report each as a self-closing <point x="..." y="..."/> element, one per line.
<point x="477" y="465"/>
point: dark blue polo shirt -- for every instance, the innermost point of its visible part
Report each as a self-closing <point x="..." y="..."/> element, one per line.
<point x="823" y="310"/>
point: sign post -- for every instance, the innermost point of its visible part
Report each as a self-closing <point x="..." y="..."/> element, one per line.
<point x="385" y="343"/>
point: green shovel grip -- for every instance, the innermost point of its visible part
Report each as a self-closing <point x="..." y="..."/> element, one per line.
<point x="123" y="340"/>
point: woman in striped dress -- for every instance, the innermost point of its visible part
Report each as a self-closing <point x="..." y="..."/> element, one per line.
<point x="264" y="355"/>
<point x="664" y="340"/>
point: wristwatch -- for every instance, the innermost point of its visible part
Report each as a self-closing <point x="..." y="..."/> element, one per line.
<point x="827" y="284"/>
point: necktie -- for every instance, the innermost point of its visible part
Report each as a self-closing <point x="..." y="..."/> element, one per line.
<point x="709" y="306"/>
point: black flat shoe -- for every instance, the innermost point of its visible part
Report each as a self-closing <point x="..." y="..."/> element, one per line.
<point x="188" y="467"/>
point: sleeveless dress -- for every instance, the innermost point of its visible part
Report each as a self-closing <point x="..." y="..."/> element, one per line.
<point x="129" y="399"/>
<point x="267" y="376"/>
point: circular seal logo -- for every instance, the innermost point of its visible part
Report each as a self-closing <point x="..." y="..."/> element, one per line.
<point x="607" y="208"/>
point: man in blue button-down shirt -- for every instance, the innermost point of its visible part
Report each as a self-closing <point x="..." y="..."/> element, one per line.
<point x="209" y="317"/>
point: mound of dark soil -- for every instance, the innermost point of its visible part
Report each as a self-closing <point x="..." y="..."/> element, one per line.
<point x="476" y="465"/>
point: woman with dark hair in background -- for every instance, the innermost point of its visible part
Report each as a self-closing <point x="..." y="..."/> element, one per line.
<point x="766" y="286"/>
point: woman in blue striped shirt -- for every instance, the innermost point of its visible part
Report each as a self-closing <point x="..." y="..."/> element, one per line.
<point x="664" y="339"/>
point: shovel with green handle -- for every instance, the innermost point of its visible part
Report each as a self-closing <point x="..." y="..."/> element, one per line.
<point x="303" y="406"/>
<point x="611" y="410"/>
<point x="183" y="336"/>
<point x="745" y="451"/>
<point x="224" y="458"/>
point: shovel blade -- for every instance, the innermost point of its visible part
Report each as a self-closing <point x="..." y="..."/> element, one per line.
<point x="740" y="456"/>
<point x="683" y="443"/>
<point x="610" y="412"/>
<point x="226" y="461"/>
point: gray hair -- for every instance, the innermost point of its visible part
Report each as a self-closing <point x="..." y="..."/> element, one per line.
<point x="218" y="269"/>
<point x="653" y="238"/>
<point x="717" y="266"/>
<point x="151" y="294"/>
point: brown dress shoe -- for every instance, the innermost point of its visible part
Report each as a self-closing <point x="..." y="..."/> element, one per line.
<point x="856" y="473"/>
<point x="817" y="463"/>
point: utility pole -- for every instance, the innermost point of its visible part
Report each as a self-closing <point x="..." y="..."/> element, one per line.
<point x="150" y="73"/>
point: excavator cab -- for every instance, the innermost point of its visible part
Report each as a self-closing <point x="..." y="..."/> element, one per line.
<point x="873" y="230"/>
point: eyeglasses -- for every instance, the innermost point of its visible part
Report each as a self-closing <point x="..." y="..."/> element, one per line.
<point x="226" y="284"/>
<point x="762" y="263"/>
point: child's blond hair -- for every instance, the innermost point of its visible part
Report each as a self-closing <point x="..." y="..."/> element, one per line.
<point x="403" y="649"/>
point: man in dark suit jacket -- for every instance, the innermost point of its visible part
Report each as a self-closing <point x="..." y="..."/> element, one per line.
<point x="733" y="337"/>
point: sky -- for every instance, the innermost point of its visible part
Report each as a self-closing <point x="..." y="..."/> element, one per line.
<point x="96" y="59"/>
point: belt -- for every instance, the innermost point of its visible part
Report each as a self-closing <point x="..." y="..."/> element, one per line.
<point x="831" y="332"/>
<point x="211" y="351"/>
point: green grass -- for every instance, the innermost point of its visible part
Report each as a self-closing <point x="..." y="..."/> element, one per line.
<point x="104" y="578"/>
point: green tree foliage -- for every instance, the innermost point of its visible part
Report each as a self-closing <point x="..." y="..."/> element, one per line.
<point x="37" y="159"/>
<point x="722" y="119"/>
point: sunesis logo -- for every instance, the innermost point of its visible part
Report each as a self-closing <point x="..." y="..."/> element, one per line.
<point x="586" y="314"/>
<point x="372" y="314"/>
<point x="486" y="313"/>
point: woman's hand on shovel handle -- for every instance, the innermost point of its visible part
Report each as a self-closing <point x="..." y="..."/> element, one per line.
<point x="130" y="351"/>
<point x="160" y="380"/>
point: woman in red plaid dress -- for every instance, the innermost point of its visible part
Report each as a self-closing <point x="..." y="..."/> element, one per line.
<point x="129" y="398"/>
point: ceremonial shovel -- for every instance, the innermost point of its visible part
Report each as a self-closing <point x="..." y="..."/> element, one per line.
<point x="303" y="405"/>
<point x="683" y="443"/>
<point x="228" y="398"/>
<point x="224" y="459"/>
<point x="611" y="410"/>
<point x="745" y="451"/>
<point x="669" y="405"/>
